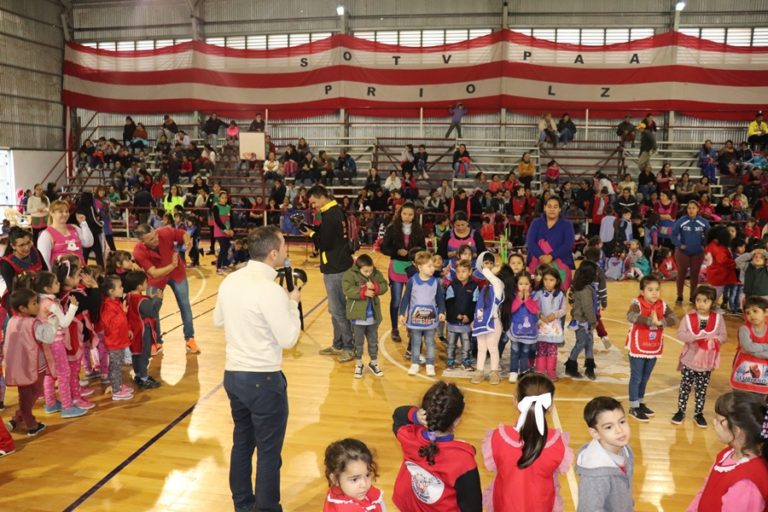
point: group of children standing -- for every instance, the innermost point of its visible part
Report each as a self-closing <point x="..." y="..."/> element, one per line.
<point x="439" y="472"/>
<point x="68" y="318"/>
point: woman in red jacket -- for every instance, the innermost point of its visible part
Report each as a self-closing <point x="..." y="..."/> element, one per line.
<point x="722" y="270"/>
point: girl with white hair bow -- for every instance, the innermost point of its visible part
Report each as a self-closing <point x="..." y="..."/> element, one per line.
<point x="528" y="456"/>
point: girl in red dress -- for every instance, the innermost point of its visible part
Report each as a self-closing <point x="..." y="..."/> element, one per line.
<point x="527" y="457"/>
<point x="738" y="479"/>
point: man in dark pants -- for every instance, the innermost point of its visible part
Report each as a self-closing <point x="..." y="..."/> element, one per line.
<point x="331" y="240"/>
<point x="260" y="320"/>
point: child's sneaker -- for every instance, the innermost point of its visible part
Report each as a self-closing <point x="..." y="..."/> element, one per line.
<point x="50" y="409"/>
<point x="700" y="421"/>
<point x="512" y="377"/>
<point x="430" y="370"/>
<point x="359" y="370"/>
<point x="638" y="414"/>
<point x="83" y="382"/>
<point x="126" y="389"/>
<point x="86" y="391"/>
<point x="72" y="412"/>
<point x="2" y="405"/>
<point x="467" y="364"/>
<point x="606" y="342"/>
<point x="147" y="383"/>
<point x="121" y="395"/>
<point x="3" y="453"/>
<point x="646" y="410"/>
<point x="84" y="404"/>
<point x="678" y="417"/>
<point x="374" y="367"/>
<point x="450" y="364"/>
<point x="408" y="354"/>
<point x="11" y="425"/>
<point x="413" y="370"/>
<point x="573" y="325"/>
<point x="494" y="378"/>
<point x="34" y="431"/>
<point x="105" y="380"/>
<point x="93" y="374"/>
<point x="477" y="377"/>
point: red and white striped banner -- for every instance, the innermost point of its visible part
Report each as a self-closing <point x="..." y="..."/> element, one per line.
<point x="670" y="71"/>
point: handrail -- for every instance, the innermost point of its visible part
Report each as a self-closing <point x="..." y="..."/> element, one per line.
<point x="64" y="153"/>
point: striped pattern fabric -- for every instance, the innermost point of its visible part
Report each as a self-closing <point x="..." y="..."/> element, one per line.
<point x="505" y="69"/>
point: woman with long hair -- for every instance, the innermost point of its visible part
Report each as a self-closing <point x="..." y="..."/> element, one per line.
<point x="400" y="238"/>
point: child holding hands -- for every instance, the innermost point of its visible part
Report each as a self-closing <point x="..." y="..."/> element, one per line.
<point x="703" y="331"/>
<point x="647" y="315"/>
<point x="362" y="284"/>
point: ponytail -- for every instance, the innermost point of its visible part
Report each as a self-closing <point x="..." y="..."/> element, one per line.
<point x="533" y="441"/>
<point x="443" y="404"/>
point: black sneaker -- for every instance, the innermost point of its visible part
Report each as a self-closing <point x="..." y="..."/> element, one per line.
<point x="2" y="405"/>
<point x="408" y="354"/>
<point x="149" y="383"/>
<point x="34" y="431"/>
<point x="678" y="417"/>
<point x="374" y="367"/>
<point x="646" y="410"/>
<point x="700" y="421"/>
<point x="639" y="415"/>
<point x="396" y="337"/>
<point x="679" y="301"/>
<point x="12" y="425"/>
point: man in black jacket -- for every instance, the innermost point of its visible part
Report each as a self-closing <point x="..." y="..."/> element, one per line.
<point x="211" y="129"/>
<point x="332" y="242"/>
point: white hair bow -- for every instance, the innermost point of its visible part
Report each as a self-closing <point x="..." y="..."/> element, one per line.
<point x="541" y="404"/>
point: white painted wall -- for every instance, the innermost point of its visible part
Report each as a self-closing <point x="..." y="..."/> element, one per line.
<point x="30" y="167"/>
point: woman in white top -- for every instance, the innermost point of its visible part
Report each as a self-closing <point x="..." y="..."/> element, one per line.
<point x="37" y="209"/>
<point x="62" y="238"/>
<point x="393" y="182"/>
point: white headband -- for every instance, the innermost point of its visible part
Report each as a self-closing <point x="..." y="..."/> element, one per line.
<point x="541" y="404"/>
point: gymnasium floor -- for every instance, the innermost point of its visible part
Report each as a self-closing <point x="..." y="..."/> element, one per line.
<point x="168" y="449"/>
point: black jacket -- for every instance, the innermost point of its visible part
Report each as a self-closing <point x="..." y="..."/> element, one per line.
<point x="332" y="240"/>
<point x="393" y="243"/>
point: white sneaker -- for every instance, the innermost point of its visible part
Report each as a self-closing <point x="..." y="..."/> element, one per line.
<point x="513" y="377"/>
<point x="413" y="370"/>
<point x="606" y="342"/>
<point x="431" y="370"/>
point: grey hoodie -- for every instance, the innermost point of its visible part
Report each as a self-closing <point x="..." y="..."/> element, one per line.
<point x="603" y="487"/>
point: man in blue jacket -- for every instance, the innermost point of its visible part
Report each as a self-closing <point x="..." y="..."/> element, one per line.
<point x="689" y="235"/>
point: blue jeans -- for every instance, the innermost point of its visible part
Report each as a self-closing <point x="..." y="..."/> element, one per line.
<point x="259" y="405"/>
<point x="429" y="340"/>
<point x="566" y="136"/>
<point x="453" y="347"/>
<point x="520" y="356"/>
<point x="640" y="369"/>
<point x="395" y="296"/>
<point x="585" y="342"/>
<point x="181" y="292"/>
<point x="337" y="306"/>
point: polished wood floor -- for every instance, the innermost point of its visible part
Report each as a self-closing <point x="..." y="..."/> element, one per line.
<point x="100" y="462"/>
